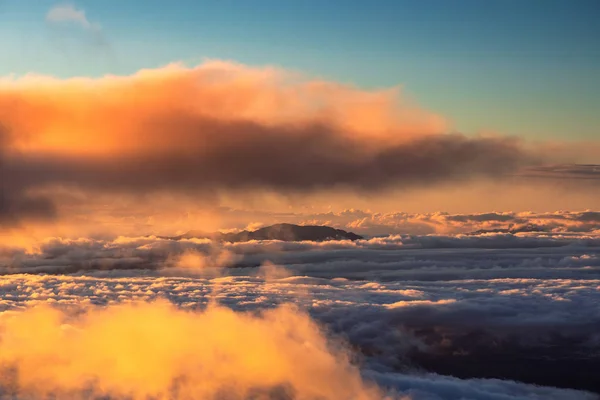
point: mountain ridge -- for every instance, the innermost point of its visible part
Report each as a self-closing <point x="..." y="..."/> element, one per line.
<point x="283" y="232"/>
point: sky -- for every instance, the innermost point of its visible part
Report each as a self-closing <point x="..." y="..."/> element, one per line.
<point x="142" y="116"/>
<point x="525" y="68"/>
<point x="459" y="138"/>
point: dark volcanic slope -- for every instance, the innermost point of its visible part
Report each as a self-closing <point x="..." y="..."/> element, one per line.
<point x="284" y="232"/>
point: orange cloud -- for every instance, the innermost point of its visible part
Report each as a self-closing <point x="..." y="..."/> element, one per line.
<point x="154" y="350"/>
<point x="118" y="114"/>
<point x="223" y="127"/>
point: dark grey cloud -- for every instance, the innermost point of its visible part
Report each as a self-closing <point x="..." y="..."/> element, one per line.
<point x="482" y="217"/>
<point x="211" y="155"/>
<point x="242" y="155"/>
<point x="15" y="203"/>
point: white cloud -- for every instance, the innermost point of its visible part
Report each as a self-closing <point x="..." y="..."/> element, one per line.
<point x="67" y="13"/>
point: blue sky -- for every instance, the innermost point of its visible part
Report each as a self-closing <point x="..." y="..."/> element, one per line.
<point x="520" y="67"/>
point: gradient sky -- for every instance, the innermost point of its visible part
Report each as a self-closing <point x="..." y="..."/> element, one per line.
<point x="516" y="67"/>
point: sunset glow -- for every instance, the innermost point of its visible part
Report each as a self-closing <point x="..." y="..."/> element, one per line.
<point x="299" y="200"/>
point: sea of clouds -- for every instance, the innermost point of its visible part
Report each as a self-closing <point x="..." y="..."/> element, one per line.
<point x="421" y="309"/>
<point x="486" y="316"/>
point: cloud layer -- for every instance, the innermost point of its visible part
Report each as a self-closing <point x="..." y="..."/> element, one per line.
<point x="409" y="308"/>
<point x="373" y="223"/>
<point x="102" y="343"/>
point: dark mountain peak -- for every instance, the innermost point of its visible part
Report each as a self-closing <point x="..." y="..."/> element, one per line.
<point x="283" y="232"/>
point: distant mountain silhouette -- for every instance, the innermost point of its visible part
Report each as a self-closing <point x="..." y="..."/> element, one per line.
<point x="283" y="232"/>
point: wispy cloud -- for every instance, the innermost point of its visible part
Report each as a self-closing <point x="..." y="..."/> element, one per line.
<point x="68" y="13"/>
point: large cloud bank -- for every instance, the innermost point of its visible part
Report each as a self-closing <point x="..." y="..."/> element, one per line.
<point x="223" y="126"/>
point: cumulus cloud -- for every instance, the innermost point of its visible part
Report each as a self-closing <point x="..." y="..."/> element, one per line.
<point x="224" y="126"/>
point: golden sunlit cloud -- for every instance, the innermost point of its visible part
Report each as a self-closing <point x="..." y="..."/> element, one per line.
<point x="119" y="113"/>
<point x="155" y="350"/>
